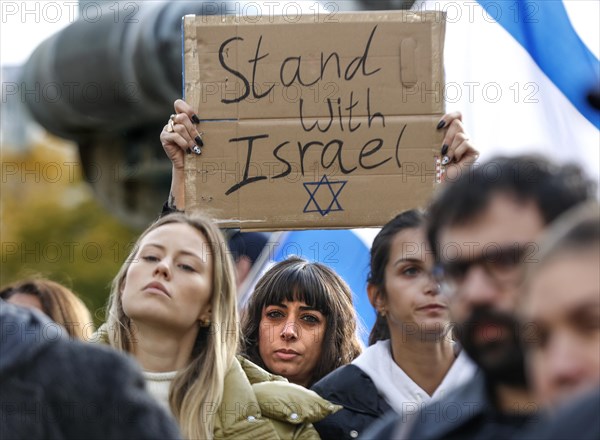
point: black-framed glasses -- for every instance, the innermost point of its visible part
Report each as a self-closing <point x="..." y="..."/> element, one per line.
<point x="501" y="264"/>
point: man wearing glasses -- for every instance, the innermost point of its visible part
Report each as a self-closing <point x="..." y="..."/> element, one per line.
<point x="483" y="230"/>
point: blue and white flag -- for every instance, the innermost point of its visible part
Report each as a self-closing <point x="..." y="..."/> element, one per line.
<point x="520" y="71"/>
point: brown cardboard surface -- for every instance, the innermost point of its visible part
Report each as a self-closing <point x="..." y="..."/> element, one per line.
<point x="293" y="142"/>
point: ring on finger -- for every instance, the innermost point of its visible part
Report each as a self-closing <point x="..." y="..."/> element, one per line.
<point x="170" y="128"/>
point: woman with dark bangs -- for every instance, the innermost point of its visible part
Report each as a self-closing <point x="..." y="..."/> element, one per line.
<point x="300" y="322"/>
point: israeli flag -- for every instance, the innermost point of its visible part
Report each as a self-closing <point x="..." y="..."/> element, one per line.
<point x="520" y="72"/>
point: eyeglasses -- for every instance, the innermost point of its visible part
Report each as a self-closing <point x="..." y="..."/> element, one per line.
<point x="502" y="265"/>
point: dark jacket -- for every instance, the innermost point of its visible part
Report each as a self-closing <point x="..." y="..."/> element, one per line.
<point x="466" y="413"/>
<point x="352" y="388"/>
<point x="578" y="419"/>
<point x="55" y="388"/>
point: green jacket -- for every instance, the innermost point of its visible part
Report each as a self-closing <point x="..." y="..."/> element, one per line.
<point x="259" y="405"/>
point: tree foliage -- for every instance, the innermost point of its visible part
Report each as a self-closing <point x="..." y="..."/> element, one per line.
<point x="52" y="226"/>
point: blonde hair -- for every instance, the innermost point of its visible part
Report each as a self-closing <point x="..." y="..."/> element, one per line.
<point x="197" y="390"/>
<point x="62" y="305"/>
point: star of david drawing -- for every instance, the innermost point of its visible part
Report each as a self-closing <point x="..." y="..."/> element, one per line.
<point x="333" y="186"/>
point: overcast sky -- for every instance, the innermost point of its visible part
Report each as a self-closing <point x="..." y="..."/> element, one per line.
<point x="24" y="24"/>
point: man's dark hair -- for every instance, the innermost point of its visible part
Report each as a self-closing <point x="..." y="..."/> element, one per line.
<point x="249" y="244"/>
<point x="553" y="188"/>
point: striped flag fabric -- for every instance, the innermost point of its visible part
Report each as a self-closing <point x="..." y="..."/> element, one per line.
<point x="520" y="72"/>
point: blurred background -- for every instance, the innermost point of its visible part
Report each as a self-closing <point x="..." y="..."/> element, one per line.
<point x="86" y="88"/>
<point x="88" y="85"/>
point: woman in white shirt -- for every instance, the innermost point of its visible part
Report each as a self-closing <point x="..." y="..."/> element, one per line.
<point x="412" y="357"/>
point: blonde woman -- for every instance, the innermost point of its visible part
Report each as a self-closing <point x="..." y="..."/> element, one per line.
<point x="59" y="303"/>
<point x="173" y="306"/>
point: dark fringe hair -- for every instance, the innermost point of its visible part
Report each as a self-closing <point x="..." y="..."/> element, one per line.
<point x="315" y="284"/>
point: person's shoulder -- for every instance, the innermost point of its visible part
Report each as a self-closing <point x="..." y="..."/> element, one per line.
<point x="276" y="397"/>
<point x="101" y="361"/>
<point x="576" y="419"/>
<point x="429" y="421"/>
<point x="383" y="429"/>
<point x="86" y="390"/>
<point x="346" y="375"/>
<point x="351" y="387"/>
<point x="473" y="390"/>
<point x="253" y="372"/>
<point x="282" y="409"/>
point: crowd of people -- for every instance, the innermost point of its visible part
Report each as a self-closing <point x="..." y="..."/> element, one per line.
<point x="488" y="323"/>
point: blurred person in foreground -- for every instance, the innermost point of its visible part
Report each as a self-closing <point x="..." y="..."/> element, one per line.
<point x="483" y="229"/>
<point x="560" y="311"/>
<point x="54" y="387"/>
<point x="58" y="302"/>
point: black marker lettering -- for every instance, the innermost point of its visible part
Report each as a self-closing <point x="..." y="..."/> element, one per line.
<point x="234" y="72"/>
<point x="364" y="153"/>
<point x="246" y="180"/>
<point x="339" y="143"/>
<point x="398" y="146"/>
<point x="316" y="124"/>
<point x="255" y="60"/>
<point x="361" y="61"/>
<point x="281" y="159"/>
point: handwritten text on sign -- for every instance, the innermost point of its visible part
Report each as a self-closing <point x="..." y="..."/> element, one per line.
<point x="356" y="112"/>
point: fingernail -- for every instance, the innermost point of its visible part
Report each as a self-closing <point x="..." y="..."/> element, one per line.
<point x="445" y="160"/>
<point x="444" y="149"/>
<point x="196" y="149"/>
<point x="195" y="119"/>
<point x="199" y="141"/>
<point x="188" y="151"/>
<point x="441" y="124"/>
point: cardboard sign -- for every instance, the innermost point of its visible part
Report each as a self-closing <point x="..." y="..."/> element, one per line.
<point x="320" y="123"/>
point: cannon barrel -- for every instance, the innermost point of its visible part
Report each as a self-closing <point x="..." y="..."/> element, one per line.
<point x="116" y="72"/>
